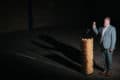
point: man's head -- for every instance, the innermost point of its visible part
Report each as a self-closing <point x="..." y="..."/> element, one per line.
<point x="107" y="21"/>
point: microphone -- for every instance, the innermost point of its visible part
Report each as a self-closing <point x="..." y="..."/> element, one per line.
<point x="88" y="33"/>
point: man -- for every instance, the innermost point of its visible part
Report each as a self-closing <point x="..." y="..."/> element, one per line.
<point x="107" y="42"/>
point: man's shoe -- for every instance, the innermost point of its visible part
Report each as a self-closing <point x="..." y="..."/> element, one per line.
<point x="108" y="74"/>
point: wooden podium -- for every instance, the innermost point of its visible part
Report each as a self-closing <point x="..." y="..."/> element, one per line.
<point x="87" y="55"/>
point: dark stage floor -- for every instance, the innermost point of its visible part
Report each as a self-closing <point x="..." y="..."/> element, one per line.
<point x="49" y="53"/>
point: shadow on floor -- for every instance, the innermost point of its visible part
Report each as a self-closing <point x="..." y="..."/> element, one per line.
<point x="66" y="50"/>
<point x="96" y="66"/>
<point x="64" y="61"/>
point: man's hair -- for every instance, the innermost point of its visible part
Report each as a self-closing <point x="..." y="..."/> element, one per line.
<point x="108" y="18"/>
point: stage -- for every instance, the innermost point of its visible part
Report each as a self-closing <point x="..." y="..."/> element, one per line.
<point x="50" y="53"/>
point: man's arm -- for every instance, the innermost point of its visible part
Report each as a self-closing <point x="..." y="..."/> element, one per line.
<point x="113" y="38"/>
<point x="94" y="28"/>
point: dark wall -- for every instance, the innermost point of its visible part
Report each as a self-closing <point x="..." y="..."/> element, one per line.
<point x="17" y="15"/>
<point x="57" y="13"/>
<point x="108" y="8"/>
<point x="46" y="13"/>
<point x="61" y="13"/>
<point x="43" y="13"/>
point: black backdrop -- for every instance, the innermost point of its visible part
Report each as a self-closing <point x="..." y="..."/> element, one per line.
<point x="14" y="13"/>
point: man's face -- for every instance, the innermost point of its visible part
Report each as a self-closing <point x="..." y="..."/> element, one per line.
<point x="106" y="22"/>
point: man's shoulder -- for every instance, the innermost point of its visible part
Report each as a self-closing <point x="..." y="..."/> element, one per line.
<point x="112" y="27"/>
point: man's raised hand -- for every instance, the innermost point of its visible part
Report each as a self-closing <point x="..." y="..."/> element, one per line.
<point x="94" y="24"/>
